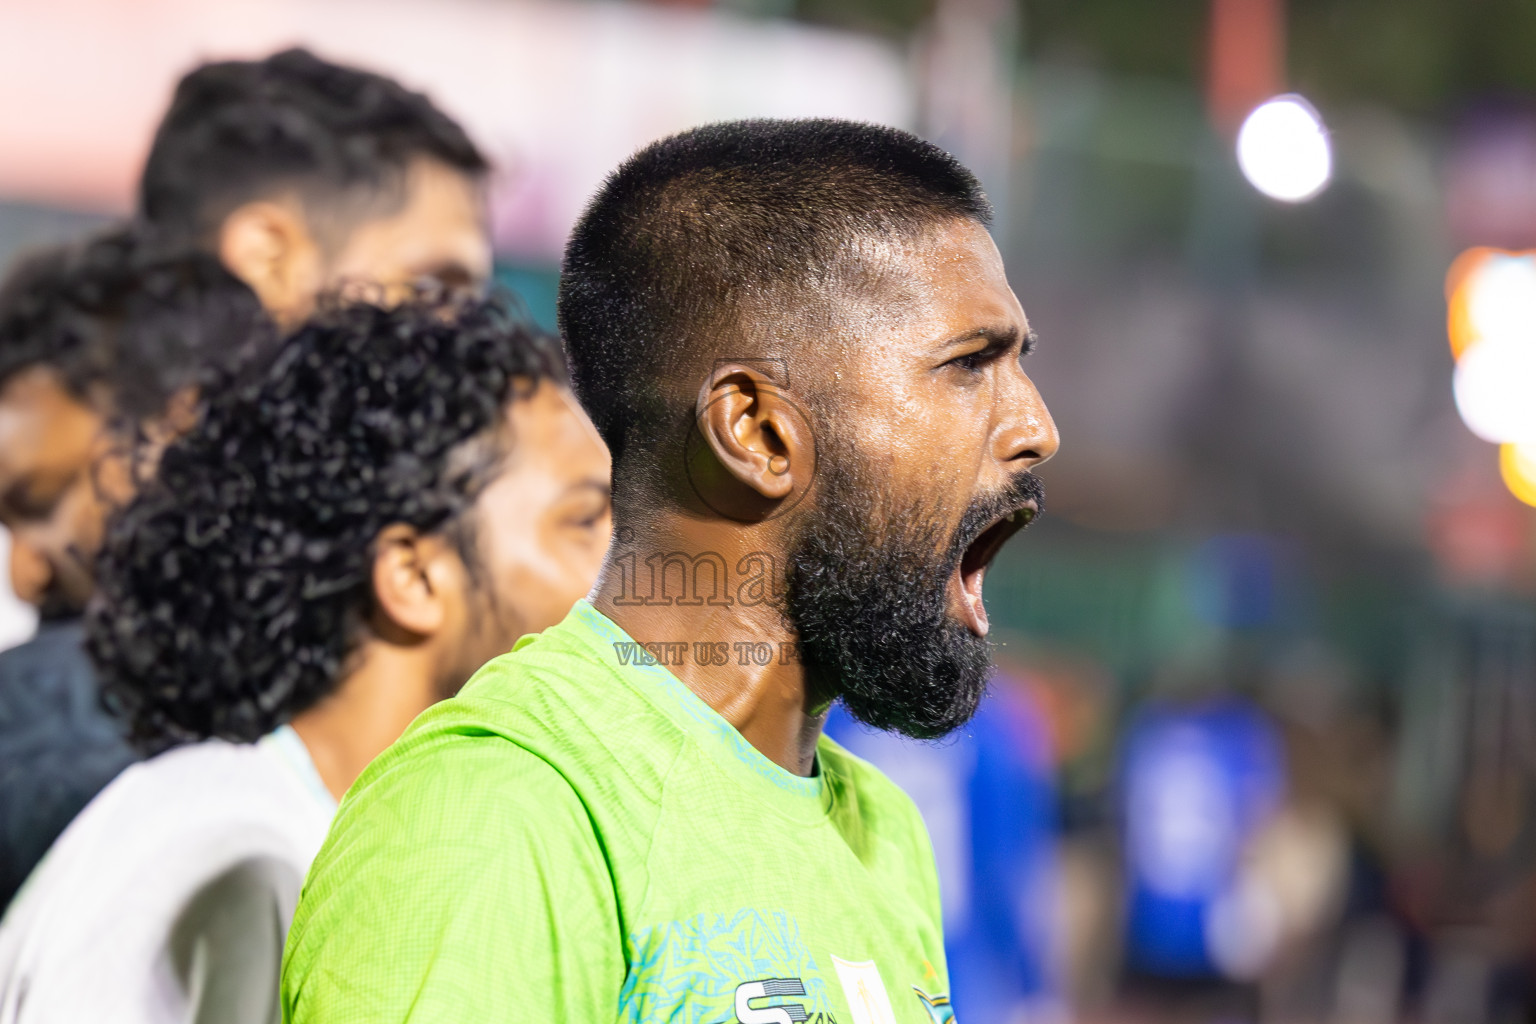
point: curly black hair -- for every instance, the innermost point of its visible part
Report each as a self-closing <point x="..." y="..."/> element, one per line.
<point x="233" y="589"/>
<point x="126" y="328"/>
<point x="242" y="130"/>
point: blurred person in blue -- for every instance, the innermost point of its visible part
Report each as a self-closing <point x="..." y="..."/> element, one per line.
<point x="349" y="531"/>
<point x="102" y="349"/>
<point x="303" y="175"/>
<point x="1199" y="782"/>
<point x="988" y="797"/>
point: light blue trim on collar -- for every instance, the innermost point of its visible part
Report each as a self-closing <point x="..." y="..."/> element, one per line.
<point x="611" y="633"/>
<point x="295" y="755"/>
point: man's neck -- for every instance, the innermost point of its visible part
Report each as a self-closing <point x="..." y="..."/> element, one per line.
<point x="711" y="599"/>
<point x="389" y="687"/>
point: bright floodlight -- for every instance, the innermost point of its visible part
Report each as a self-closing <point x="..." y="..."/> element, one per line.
<point x="1283" y="149"/>
<point x="1495" y="389"/>
<point x="1501" y="299"/>
<point x="1517" y="462"/>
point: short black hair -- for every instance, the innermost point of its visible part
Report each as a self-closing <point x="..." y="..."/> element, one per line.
<point x="233" y="588"/>
<point x="124" y="328"/>
<point x="693" y="231"/>
<point x="239" y="131"/>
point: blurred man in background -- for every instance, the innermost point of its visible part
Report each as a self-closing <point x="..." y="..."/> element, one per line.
<point x="102" y="350"/>
<point x="303" y="176"/>
<point x="338" y="544"/>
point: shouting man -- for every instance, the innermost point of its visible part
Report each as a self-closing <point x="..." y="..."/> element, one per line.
<point x="799" y="343"/>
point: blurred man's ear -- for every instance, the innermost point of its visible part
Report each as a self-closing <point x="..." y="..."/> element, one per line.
<point x="30" y="572"/>
<point x="268" y="245"/>
<point x="414" y="577"/>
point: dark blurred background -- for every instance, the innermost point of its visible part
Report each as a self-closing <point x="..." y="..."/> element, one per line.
<point x="1275" y="638"/>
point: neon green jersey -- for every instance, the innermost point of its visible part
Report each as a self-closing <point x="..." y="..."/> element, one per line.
<point x="577" y="837"/>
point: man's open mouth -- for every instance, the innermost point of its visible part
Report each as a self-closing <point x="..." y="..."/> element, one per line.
<point x="972" y="570"/>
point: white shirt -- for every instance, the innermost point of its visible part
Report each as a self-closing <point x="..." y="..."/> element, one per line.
<point x="88" y="937"/>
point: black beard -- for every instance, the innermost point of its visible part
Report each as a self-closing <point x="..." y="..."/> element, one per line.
<point x="867" y="594"/>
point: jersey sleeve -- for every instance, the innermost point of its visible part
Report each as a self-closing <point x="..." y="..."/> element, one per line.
<point x="463" y="882"/>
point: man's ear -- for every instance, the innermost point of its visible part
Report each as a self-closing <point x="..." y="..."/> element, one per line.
<point x="268" y="245"/>
<point x="30" y="572"/>
<point x="757" y="449"/>
<point x="410" y="580"/>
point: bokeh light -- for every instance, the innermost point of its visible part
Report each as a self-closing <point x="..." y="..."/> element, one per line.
<point x="1493" y="297"/>
<point x="1495" y="388"/>
<point x="1459" y="327"/>
<point x="1517" y="464"/>
<point x="1283" y="149"/>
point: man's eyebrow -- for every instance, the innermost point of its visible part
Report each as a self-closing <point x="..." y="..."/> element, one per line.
<point x="996" y="337"/>
<point x="452" y="272"/>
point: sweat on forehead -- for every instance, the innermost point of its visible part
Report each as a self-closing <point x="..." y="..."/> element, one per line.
<point x="711" y="238"/>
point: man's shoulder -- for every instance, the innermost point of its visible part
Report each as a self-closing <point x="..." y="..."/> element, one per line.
<point x="881" y="823"/>
<point x="878" y="808"/>
<point x="547" y="720"/>
<point x="469" y="801"/>
<point x="156" y="834"/>
<point x="54" y="640"/>
<point x="58" y="747"/>
<point x="49" y="690"/>
<point x="555" y="672"/>
<point x="551" y="696"/>
<point x="41" y="673"/>
<point x="464" y="776"/>
<point x="192" y="796"/>
<point x="468" y="822"/>
<point x="208" y="771"/>
<point x="869" y="784"/>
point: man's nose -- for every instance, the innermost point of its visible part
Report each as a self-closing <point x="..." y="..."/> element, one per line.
<point x="1027" y="434"/>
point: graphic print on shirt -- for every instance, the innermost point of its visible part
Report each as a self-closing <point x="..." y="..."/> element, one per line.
<point x="864" y="991"/>
<point x="937" y="1006"/>
<point x="692" y="972"/>
<point x="770" y="988"/>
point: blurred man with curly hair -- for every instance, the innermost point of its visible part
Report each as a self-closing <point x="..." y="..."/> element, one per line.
<point x="340" y="542"/>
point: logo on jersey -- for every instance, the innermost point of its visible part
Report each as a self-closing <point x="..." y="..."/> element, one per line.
<point x="770" y="988"/>
<point x="865" y="992"/>
<point x="938" y="1007"/>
